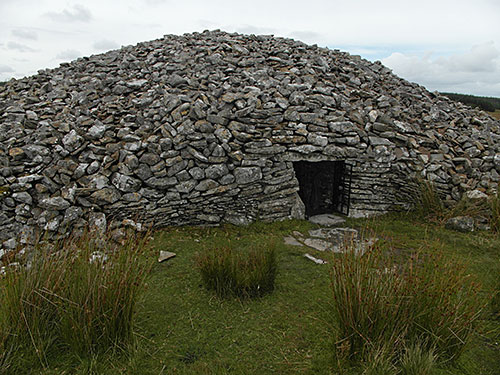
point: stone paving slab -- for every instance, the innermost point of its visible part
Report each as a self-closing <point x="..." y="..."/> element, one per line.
<point x="289" y="240"/>
<point x="318" y="244"/>
<point x="165" y="255"/>
<point x="315" y="260"/>
<point x="327" y="220"/>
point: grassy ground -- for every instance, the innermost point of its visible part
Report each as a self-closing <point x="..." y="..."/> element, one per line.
<point x="185" y="329"/>
<point x="495" y="114"/>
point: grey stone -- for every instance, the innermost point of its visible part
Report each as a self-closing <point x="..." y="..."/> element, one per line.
<point x="326" y="233"/>
<point x="10" y="244"/>
<point x="136" y="83"/>
<point x="97" y="131"/>
<point x="289" y="240"/>
<point x="72" y="214"/>
<point x="93" y="167"/>
<point x="377" y="141"/>
<point x="298" y="210"/>
<point x="476" y="194"/>
<point x="23" y="197"/>
<point x="124" y="183"/>
<point x="460" y="223"/>
<point x="177" y="167"/>
<point x="143" y="172"/>
<point x="132" y="197"/>
<point x="105" y="196"/>
<point x="317" y="140"/>
<point x="206" y="185"/>
<point x="99" y="182"/>
<point x="197" y="173"/>
<point x="71" y="140"/>
<point x="176" y="80"/>
<point x="98" y="257"/>
<point x="149" y="159"/>
<point x="98" y="222"/>
<point x="314" y="259"/>
<point x="215" y="171"/>
<point x="246" y="175"/>
<point x="53" y="224"/>
<point x="165" y="255"/>
<point x="227" y="179"/>
<point x="186" y="186"/>
<point x="55" y="203"/>
<point x="161" y="183"/>
<point x="327" y="220"/>
<point x="237" y="219"/>
<point x="318" y="244"/>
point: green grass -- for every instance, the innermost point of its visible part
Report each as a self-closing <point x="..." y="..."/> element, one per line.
<point x="183" y="328"/>
<point x="494" y="203"/>
<point x="495" y="114"/>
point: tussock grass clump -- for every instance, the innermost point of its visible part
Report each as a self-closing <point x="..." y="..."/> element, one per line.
<point x="238" y="271"/>
<point x="494" y="201"/>
<point x="443" y="303"/>
<point x="429" y="205"/>
<point x="77" y="295"/>
<point x="6" y="348"/>
<point x="368" y="302"/>
<point x="383" y="307"/>
<point x="427" y="201"/>
<point x="417" y="360"/>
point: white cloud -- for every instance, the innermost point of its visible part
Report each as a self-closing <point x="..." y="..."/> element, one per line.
<point x="243" y="28"/>
<point x="6" y="69"/>
<point x="105" y="45"/>
<point x="19" y="47"/>
<point x="481" y="58"/>
<point x="25" y="34"/>
<point x="306" y="36"/>
<point x="76" y="13"/>
<point x="69" y="54"/>
<point x="476" y="71"/>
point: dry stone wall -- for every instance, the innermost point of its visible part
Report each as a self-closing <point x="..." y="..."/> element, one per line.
<point x="204" y="128"/>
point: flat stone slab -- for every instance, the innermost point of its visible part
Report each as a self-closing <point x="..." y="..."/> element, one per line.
<point x="324" y="233"/>
<point x="347" y="233"/>
<point x="165" y="255"/>
<point x="315" y="260"/>
<point x="365" y="245"/>
<point x="327" y="220"/>
<point x="338" y="236"/>
<point x="292" y="241"/>
<point x="318" y="244"/>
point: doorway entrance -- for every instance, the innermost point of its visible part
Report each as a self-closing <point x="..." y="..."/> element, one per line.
<point x="324" y="186"/>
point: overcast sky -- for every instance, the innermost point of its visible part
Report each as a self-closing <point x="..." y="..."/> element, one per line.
<point x="446" y="45"/>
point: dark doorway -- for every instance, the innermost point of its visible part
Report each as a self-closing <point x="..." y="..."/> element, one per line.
<point x="324" y="186"/>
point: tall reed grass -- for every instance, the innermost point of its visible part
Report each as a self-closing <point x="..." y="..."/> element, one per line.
<point x="382" y="307"/>
<point x="77" y="295"/>
<point x="238" y="271"/>
<point x="494" y="201"/>
<point x="427" y="202"/>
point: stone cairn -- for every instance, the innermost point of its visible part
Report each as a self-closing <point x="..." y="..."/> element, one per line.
<point x="204" y="128"/>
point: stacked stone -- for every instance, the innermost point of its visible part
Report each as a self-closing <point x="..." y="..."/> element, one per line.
<point x="204" y="128"/>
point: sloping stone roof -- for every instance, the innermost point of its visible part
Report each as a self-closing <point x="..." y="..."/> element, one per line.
<point x="204" y="127"/>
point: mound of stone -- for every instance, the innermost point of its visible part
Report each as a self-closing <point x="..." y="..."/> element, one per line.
<point x="206" y="128"/>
